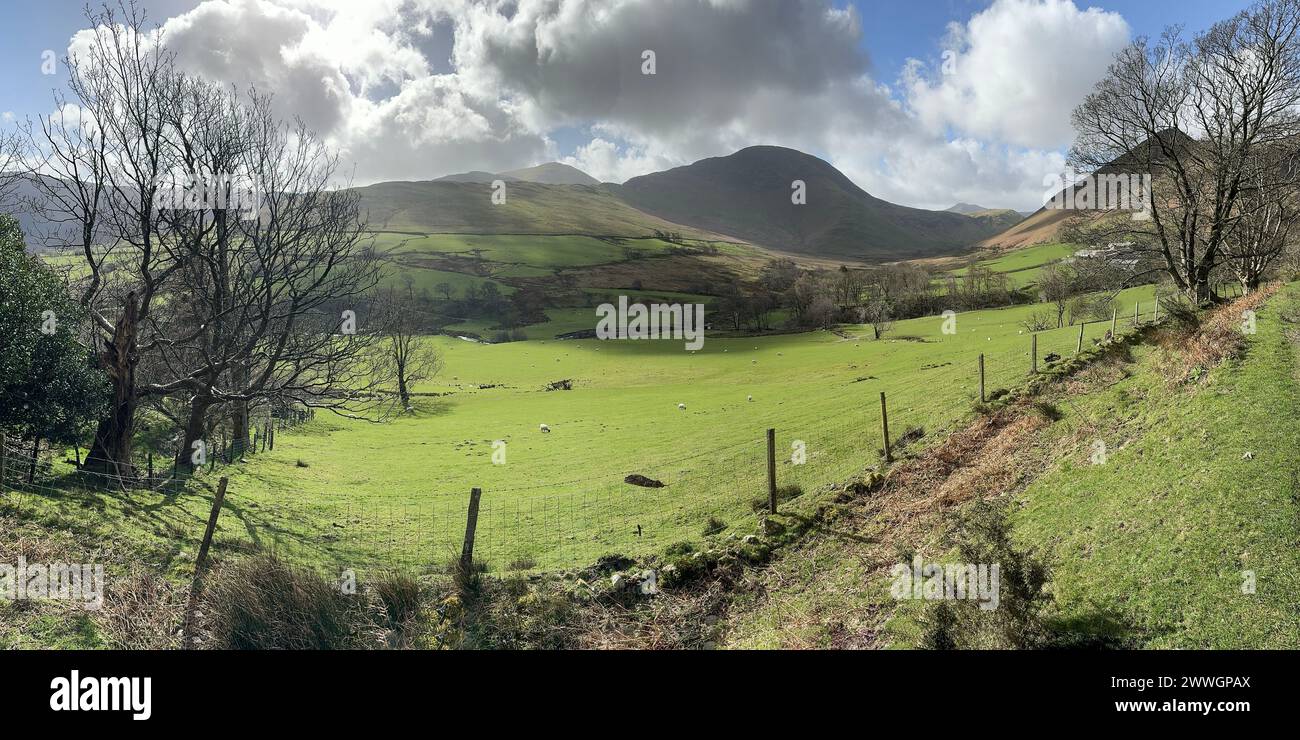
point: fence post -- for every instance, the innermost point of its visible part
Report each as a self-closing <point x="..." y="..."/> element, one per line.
<point x="981" y="378"/>
<point x="1155" y="315"/>
<point x="4" y="459"/>
<point x="1079" y="348"/>
<point x="1137" y="314"/>
<point x="1114" y="320"/>
<point x="471" y="524"/>
<point x="272" y="435"/>
<point x="212" y="526"/>
<point x="1033" y="353"/>
<point x="151" y="468"/>
<point x="884" y="422"/>
<point x="771" y="470"/>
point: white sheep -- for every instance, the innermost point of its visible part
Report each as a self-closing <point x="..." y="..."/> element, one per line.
<point x="751" y="399"/>
<point x="681" y="406"/>
<point x="545" y="429"/>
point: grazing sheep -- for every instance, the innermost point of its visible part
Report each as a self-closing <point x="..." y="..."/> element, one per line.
<point x="545" y="429"/>
<point x="751" y="399"/>
<point x="681" y="406"/>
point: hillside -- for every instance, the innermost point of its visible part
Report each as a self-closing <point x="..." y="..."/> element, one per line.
<point x="747" y="195"/>
<point x="529" y="208"/>
<point x="552" y="173"/>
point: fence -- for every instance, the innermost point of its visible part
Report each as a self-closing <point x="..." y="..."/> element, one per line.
<point x="795" y="448"/>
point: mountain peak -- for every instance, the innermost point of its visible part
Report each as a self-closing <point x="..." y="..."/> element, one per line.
<point x="553" y="173"/>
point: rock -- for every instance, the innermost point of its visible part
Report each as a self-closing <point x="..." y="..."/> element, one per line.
<point x="618" y="581"/>
<point x="749" y="539"/>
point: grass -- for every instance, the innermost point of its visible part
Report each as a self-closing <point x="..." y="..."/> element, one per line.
<point x="393" y="495"/>
<point x="1154" y="543"/>
<point x="1021" y="266"/>
<point x="1149" y="548"/>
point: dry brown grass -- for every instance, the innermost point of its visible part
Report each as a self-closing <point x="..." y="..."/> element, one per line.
<point x="1189" y="354"/>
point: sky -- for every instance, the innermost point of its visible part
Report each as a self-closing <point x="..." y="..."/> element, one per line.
<point x="921" y="102"/>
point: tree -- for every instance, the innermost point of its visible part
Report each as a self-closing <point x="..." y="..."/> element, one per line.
<point x="49" y="387"/>
<point x="404" y="355"/>
<point x="1268" y="213"/>
<point x="1056" y="285"/>
<point x="878" y="313"/>
<point x="1236" y="87"/>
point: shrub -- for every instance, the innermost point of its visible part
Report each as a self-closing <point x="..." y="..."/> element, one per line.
<point x="399" y="595"/>
<point x="714" y="526"/>
<point x="982" y="535"/>
<point x="263" y="603"/>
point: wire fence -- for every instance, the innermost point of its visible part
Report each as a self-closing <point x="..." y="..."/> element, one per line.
<point x="680" y="496"/>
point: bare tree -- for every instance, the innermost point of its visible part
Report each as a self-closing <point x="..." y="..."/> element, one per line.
<point x="1268" y="217"/>
<point x="405" y="356"/>
<point x="1056" y="285"/>
<point x="878" y="313"/>
<point x="1192" y="115"/>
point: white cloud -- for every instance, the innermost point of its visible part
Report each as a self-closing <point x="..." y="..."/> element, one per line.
<point x="414" y="89"/>
<point x="1018" y="69"/>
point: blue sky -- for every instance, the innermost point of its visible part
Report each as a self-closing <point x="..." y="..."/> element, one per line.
<point x="796" y="73"/>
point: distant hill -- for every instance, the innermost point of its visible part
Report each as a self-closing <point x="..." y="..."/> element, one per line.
<point x="748" y="195"/>
<point x="529" y="208"/>
<point x="1045" y="225"/>
<point x="551" y="173"/>
<point x="966" y="209"/>
<point x="477" y="176"/>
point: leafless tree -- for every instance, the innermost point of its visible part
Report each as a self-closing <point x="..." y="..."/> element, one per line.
<point x="1268" y="218"/>
<point x="879" y="314"/>
<point x="405" y="356"/>
<point x="1192" y="115"/>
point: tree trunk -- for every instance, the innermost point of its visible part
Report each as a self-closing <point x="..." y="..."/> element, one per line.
<point x="111" y="452"/>
<point x="185" y="463"/>
<point x="403" y="391"/>
<point x="36" y="454"/>
<point x="238" y="429"/>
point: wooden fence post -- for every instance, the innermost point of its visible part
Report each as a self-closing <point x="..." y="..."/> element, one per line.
<point x="1033" y="353"/>
<point x="981" y="378"/>
<point x="471" y="524"/>
<point x="272" y="435"/>
<point x="771" y="470"/>
<point x="884" y="423"/>
<point x="1137" y="314"/>
<point x="212" y="526"/>
<point x="1079" y="348"/>
<point x="4" y="459"/>
<point x="1114" y="320"/>
<point x="1155" y="315"/>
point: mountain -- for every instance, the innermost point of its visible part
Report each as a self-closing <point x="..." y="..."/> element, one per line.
<point x="552" y="173"/>
<point x="747" y="195"/>
<point x="529" y="208"/>
<point x="476" y="176"/>
<point x="1046" y="225"/>
<point x="966" y="209"/>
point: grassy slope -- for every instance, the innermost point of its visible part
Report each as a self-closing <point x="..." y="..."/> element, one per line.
<point x="1148" y="547"/>
<point x="394" y="494"/>
<point x="1155" y="540"/>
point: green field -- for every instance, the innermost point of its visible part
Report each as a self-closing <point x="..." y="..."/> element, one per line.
<point x="340" y="494"/>
<point x="1021" y="266"/>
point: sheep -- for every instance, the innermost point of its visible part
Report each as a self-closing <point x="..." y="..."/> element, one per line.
<point x="681" y="406"/>
<point x="545" y="429"/>
<point x="751" y="399"/>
